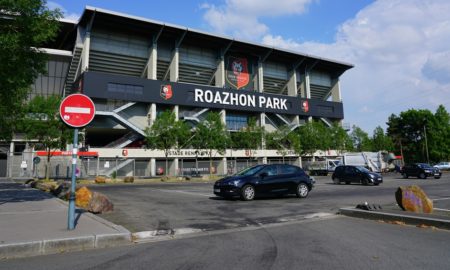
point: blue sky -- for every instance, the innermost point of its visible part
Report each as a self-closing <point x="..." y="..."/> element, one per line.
<point x="400" y="48"/>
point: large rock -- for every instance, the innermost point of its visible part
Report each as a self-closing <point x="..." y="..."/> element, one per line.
<point x="100" y="179"/>
<point x="99" y="203"/>
<point x="62" y="189"/>
<point x="413" y="199"/>
<point x="83" y="197"/>
<point x="128" y="179"/>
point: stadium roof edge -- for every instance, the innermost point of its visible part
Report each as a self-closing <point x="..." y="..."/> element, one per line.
<point x="142" y="19"/>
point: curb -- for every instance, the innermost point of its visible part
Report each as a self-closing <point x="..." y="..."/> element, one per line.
<point x="44" y="247"/>
<point x="407" y="219"/>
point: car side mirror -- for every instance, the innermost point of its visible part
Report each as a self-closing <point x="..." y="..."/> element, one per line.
<point x="263" y="175"/>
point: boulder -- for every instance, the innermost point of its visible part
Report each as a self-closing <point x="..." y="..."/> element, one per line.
<point x="413" y="199"/>
<point x="100" y="179"/>
<point x="99" y="203"/>
<point x="128" y="179"/>
<point x="62" y="189"/>
<point x="83" y="197"/>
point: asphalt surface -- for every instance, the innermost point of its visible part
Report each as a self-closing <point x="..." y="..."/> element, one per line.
<point x="167" y="207"/>
<point x="332" y="243"/>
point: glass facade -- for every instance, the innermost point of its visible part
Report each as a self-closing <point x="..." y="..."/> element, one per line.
<point x="236" y="122"/>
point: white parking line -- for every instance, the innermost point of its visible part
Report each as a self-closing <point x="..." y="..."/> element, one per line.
<point x="441" y="199"/>
<point x="185" y="192"/>
<point x="440" y="209"/>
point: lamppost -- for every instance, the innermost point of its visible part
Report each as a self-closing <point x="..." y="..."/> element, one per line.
<point x="426" y="141"/>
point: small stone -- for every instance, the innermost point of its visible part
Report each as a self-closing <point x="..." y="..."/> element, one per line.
<point x="413" y="199"/>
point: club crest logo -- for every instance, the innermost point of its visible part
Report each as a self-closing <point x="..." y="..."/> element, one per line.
<point x="305" y="106"/>
<point x="237" y="72"/>
<point x="166" y="91"/>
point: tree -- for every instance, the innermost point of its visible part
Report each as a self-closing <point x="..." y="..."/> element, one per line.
<point x="281" y="140"/>
<point x="421" y="135"/>
<point x="314" y="136"/>
<point x="361" y="140"/>
<point x="211" y="134"/>
<point x="339" y="139"/>
<point x="438" y="131"/>
<point x="380" y="141"/>
<point x="249" y="137"/>
<point x="42" y="123"/>
<point x="26" y="25"/>
<point x="166" y="133"/>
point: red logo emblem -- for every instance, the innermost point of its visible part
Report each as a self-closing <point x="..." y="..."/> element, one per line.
<point x="237" y="72"/>
<point x="166" y="91"/>
<point x="305" y="106"/>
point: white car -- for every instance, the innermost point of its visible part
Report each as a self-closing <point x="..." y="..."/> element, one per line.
<point x="443" y="166"/>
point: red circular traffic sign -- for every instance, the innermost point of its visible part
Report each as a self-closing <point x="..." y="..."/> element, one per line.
<point x="77" y="110"/>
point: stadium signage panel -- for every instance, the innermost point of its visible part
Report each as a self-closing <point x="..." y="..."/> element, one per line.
<point x="109" y="86"/>
<point x="239" y="99"/>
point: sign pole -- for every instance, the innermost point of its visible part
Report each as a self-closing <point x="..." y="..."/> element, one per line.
<point x="71" y="217"/>
<point x="77" y="111"/>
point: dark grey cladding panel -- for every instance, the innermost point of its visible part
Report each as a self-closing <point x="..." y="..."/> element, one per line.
<point x="110" y="86"/>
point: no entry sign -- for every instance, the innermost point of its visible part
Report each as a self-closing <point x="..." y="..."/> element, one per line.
<point x="77" y="110"/>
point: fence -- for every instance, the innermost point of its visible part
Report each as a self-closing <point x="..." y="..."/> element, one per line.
<point x="26" y="164"/>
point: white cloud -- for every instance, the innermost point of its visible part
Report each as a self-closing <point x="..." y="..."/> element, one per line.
<point x="401" y="54"/>
<point x="241" y="18"/>
<point x="69" y="16"/>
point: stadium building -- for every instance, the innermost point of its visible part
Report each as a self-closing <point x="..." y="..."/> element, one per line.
<point x="134" y="68"/>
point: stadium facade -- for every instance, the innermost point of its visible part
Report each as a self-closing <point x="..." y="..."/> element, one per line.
<point x="134" y="68"/>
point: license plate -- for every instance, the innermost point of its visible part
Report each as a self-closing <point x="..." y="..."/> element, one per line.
<point x="217" y="190"/>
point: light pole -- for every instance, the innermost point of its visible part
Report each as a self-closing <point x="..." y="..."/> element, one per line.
<point x="426" y="142"/>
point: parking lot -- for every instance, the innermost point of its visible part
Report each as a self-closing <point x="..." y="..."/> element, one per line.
<point x="165" y="207"/>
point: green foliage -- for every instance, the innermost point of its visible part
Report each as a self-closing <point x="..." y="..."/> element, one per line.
<point x="281" y="140"/>
<point x="42" y="123"/>
<point x="166" y="133"/>
<point x="211" y="134"/>
<point x="25" y="26"/>
<point x="360" y="139"/>
<point x="248" y="138"/>
<point x="314" y="136"/>
<point x="415" y="131"/>
<point x="339" y="139"/>
<point x="380" y="141"/>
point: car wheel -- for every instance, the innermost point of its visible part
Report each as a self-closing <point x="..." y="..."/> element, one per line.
<point x="248" y="193"/>
<point x="376" y="184"/>
<point x="422" y="176"/>
<point x="404" y="175"/>
<point x="336" y="180"/>
<point x="364" y="181"/>
<point x="437" y="177"/>
<point x="302" y="190"/>
<point x="347" y="182"/>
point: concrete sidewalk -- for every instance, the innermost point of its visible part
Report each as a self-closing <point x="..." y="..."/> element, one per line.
<point x="33" y="222"/>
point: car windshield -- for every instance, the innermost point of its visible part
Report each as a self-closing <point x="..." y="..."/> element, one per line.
<point x="362" y="169"/>
<point x="250" y="171"/>
<point x="424" y="165"/>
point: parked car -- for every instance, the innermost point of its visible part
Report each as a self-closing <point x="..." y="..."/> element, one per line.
<point x="355" y="174"/>
<point x="274" y="179"/>
<point x="443" y="166"/>
<point x="420" y="170"/>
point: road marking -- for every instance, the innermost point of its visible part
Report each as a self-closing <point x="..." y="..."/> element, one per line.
<point x="185" y="192"/>
<point x="440" y="209"/>
<point x="441" y="199"/>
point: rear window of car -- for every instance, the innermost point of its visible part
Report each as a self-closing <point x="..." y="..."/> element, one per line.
<point x="286" y="169"/>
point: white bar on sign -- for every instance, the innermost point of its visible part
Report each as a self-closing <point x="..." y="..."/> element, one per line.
<point x="78" y="110"/>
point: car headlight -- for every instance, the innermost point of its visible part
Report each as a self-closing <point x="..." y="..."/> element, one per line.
<point x="427" y="171"/>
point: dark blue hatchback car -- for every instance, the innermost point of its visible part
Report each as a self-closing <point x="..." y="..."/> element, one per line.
<point x="274" y="179"/>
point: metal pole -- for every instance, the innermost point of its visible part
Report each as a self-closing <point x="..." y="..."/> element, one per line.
<point x="71" y="218"/>
<point x="426" y="143"/>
